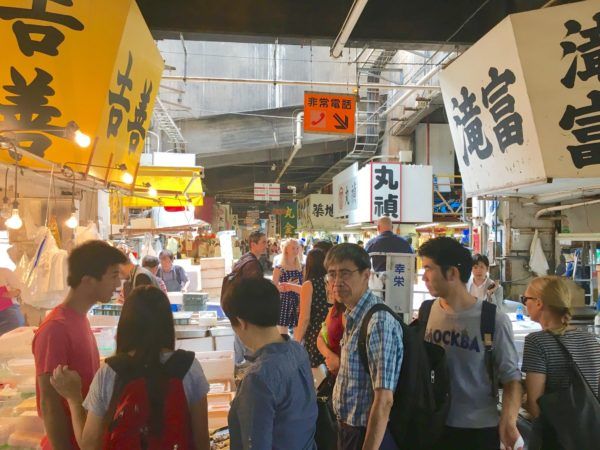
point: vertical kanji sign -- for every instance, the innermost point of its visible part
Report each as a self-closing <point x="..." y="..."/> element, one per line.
<point x="329" y="113"/>
<point x="385" y="191"/>
<point x="399" y="282"/>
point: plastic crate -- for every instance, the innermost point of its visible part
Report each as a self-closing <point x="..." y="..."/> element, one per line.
<point x="194" y="301"/>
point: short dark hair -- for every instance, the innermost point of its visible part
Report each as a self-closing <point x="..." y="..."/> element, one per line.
<point x="255" y="300"/>
<point x="150" y="261"/>
<point x="323" y="245"/>
<point x="166" y="254"/>
<point x="479" y="258"/>
<point x="92" y="258"/>
<point x="446" y="253"/>
<point x="315" y="264"/>
<point x="349" y="252"/>
<point x="256" y="236"/>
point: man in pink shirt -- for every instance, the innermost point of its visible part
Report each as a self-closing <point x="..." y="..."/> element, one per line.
<point x="65" y="336"/>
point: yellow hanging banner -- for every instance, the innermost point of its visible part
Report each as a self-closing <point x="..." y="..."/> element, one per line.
<point x="72" y="64"/>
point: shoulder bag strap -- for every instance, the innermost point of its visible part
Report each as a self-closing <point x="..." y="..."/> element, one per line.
<point x="575" y="370"/>
<point x="488" y="329"/>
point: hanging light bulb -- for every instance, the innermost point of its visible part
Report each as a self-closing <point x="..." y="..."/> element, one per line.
<point x="127" y="178"/>
<point x="152" y="192"/>
<point x="72" y="221"/>
<point x="14" y="222"/>
<point x="82" y="139"/>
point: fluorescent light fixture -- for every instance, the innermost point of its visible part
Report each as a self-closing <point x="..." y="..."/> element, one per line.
<point x="152" y="192"/>
<point x="427" y="225"/>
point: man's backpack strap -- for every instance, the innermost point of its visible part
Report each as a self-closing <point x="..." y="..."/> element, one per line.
<point x="488" y="329"/>
<point x="424" y="313"/>
<point x="362" y="336"/>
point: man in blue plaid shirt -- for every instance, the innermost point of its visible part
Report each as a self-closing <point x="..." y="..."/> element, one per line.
<point x="363" y="402"/>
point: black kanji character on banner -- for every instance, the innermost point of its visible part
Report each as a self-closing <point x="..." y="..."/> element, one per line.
<point x="588" y="118"/>
<point x="312" y="101"/>
<point x="323" y="102"/>
<point x="495" y="97"/>
<point x="385" y="176"/>
<point x="115" y="117"/>
<point x="329" y="210"/>
<point x="475" y="140"/>
<point x="40" y="38"/>
<point x="318" y="210"/>
<point x="590" y="52"/>
<point x="346" y="104"/>
<point x="136" y="126"/>
<point x="335" y="103"/>
<point x="30" y="111"/>
<point x="387" y="207"/>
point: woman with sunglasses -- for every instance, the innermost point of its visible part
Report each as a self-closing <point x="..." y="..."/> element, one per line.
<point x="548" y="302"/>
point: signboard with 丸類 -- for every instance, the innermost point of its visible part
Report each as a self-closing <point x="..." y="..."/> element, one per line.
<point x="329" y="113"/>
<point x="61" y="58"/>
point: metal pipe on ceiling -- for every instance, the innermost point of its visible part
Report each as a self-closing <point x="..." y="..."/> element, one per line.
<point x="195" y="79"/>
<point x="544" y="211"/>
<point x="405" y="96"/>
<point x="342" y="38"/>
<point x="297" y="144"/>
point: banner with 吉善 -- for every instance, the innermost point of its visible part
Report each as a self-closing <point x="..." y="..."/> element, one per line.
<point x="85" y="63"/>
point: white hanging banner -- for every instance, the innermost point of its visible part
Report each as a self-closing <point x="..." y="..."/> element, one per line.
<point x="524" y="101"/>
<point x="345" y="191"/>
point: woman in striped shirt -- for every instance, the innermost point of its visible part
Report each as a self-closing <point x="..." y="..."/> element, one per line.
<point x="548" y="302"/>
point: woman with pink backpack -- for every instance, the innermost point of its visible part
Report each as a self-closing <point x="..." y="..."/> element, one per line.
<point x="147" y="396"/>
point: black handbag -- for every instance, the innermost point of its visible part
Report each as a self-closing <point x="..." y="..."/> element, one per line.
<point x="327" y="427"/>
<point x="574" y="412"/>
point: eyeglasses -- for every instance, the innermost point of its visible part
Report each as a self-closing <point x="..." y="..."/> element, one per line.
<point x="524" y="299"/>
<point x="343" y="274"/>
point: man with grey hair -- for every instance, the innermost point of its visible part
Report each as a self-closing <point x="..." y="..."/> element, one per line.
<point x="385" y="242"/>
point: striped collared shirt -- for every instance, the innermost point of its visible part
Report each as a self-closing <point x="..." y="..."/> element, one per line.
<point x="353" y="392"/>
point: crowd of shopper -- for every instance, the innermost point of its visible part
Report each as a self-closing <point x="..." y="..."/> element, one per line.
<point x="275" y="405"/>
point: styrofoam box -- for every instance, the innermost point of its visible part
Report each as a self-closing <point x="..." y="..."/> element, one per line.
<point x="142" y="223"/>
<point x="16" y="343"/>
<point x="212" y="273"/>
<point x="212" y="263"/>
<point x="213" y="292"/>
<point x="208" y="283"/>
<point x="103" y="321"/>
<point x="216" y="365"/>
<point x="217" y="418"/>
<point x="224" y="343"/>
<point x="204" y="344"/>
<point x="176" y="298"/>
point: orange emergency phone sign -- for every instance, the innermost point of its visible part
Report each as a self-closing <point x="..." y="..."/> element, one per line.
<point x="329" y="113"/>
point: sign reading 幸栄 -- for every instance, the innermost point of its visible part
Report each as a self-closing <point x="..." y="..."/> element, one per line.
<point x="329" y="113"/>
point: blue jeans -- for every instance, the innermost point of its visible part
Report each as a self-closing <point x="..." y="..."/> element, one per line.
<point x="11" y="318"/>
